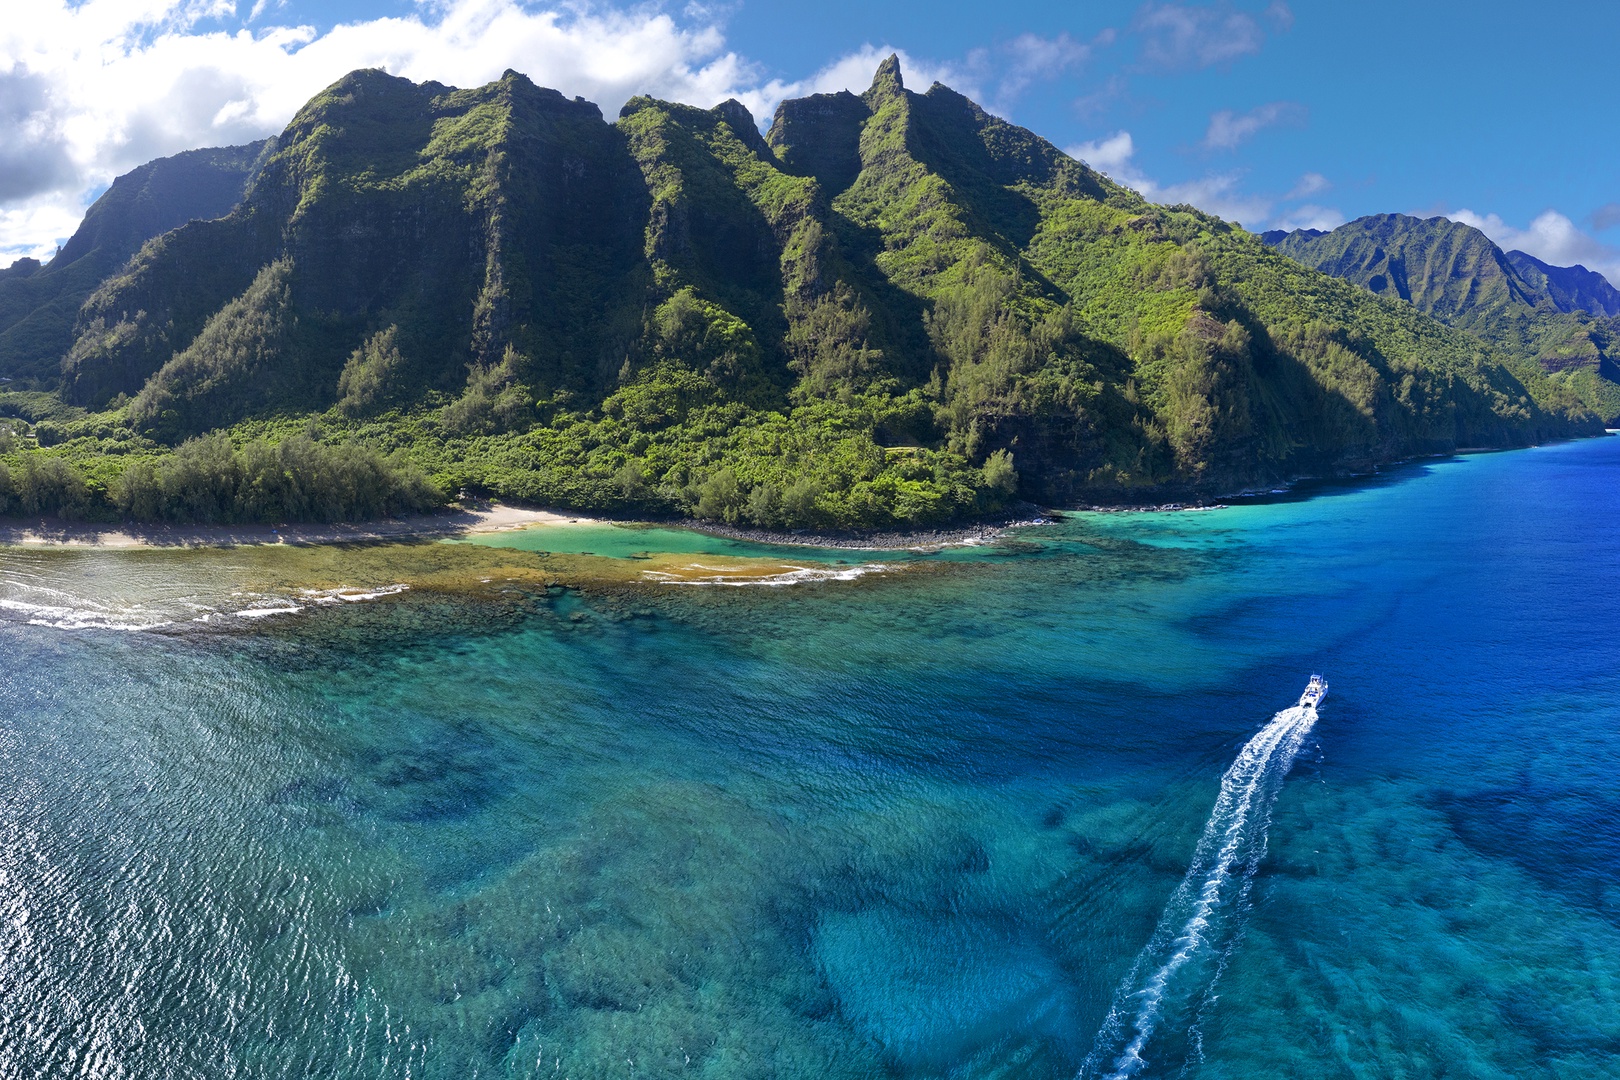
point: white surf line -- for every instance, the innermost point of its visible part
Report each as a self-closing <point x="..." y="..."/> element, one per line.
<point x="92" y="616"/>
<point x="794" y="575"/>
<point x="350" y="594"/>
<point x="1234" y="836"/>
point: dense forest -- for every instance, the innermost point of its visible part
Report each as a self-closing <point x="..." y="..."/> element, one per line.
<point x="892" y="310"/>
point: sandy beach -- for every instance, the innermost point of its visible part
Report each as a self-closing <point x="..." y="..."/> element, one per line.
<point x="464" y="520"/>
<point x="460" y="521"/>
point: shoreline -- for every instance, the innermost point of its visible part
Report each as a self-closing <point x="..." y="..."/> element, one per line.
<point x="470" y="519"/>
<point x="481" y="516"/>
<point x="849" y="540"/>
<point x="1305" y="486"/>
<point x="126" y="536"/>
<point x="478" y="516"/>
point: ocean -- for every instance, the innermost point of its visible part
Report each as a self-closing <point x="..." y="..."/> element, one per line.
<point x="607" y="802"/>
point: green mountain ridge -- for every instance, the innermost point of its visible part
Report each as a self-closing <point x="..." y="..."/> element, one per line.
<point x="893" y="309"/>
<point x="1566" y="319"/>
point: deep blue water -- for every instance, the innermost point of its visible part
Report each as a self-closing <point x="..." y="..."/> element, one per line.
<point x="943" y="821"/>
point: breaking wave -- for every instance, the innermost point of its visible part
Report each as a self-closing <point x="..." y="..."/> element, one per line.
<point x="308" y="597"/>
<point x="38" y="604"/>
<point x="350" y="595"/>
<point x="797" y="575"/>
<point x="85" y="615"/>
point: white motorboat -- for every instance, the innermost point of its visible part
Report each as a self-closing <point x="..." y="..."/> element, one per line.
<point x="1315" y="691"/>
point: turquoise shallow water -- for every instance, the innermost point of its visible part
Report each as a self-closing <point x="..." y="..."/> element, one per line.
<point x="627" y="541"/>
<point x="944" y="821"/>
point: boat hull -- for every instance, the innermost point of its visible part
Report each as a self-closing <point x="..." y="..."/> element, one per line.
<point x="1315" y="691"/>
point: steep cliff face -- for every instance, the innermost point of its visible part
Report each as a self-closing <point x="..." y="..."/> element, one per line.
<point x="38" y="305"/>
<point x="1560" y="317"/>
<point x="902" y="270"/>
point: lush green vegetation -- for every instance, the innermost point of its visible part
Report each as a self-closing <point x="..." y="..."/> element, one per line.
<point x="894" y="310"/>
<point x="210" y="480"/>
<point x="1563" y="319"/>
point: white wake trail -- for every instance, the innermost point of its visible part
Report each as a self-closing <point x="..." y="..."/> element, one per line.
<point x="1184" y="957"/>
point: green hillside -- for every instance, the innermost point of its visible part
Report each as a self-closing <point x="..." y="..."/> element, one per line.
<point x="894" y="309"/>
<point x="1560" y="317"/>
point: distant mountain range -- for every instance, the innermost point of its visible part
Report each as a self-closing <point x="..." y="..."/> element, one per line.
<point x="893" y="309"/>
<point x="39" y="303"/>
<point x="1565" y="318"/>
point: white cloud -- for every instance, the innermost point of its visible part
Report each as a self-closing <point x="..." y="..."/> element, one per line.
<point x="1281" y="15"/>
<point x="1606" y="217"/>
<point x="1111" y="155"/>
<point x="90" y="90"/>
<point x="1552" y="238"/>
<point x="1228" y="130"/>
<point x="1312" y="183"/>
<point x="1029" y="58"/>
<point x="1215" y="194"/>
<point x="1183" y="36"/>
<point x="1309" y="216"/>
<point x="38" y="223"/>
<point x="1218" y="194"/>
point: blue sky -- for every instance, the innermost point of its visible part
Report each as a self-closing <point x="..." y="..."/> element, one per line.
<point x="1271" y="113"/>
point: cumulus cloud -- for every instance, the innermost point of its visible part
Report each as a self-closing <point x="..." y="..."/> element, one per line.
<point x="1178" y="36"/>
<point x="34" y="226"/>
<point x="1111" y="155"/>
<point x="33" y="156"/>
<point x="1552" y="238"/>
<point x="1228" y="130"/>
<point x="1217" y="194"/>
<point x="89" y="90"/>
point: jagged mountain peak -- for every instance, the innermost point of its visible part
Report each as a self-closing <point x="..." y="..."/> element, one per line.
<point x="886" y="82"/>
<point x="742" y="124"/>
<point x="737" y="113"/>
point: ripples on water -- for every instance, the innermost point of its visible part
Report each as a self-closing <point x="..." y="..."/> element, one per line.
<point x="920" y="823"/>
